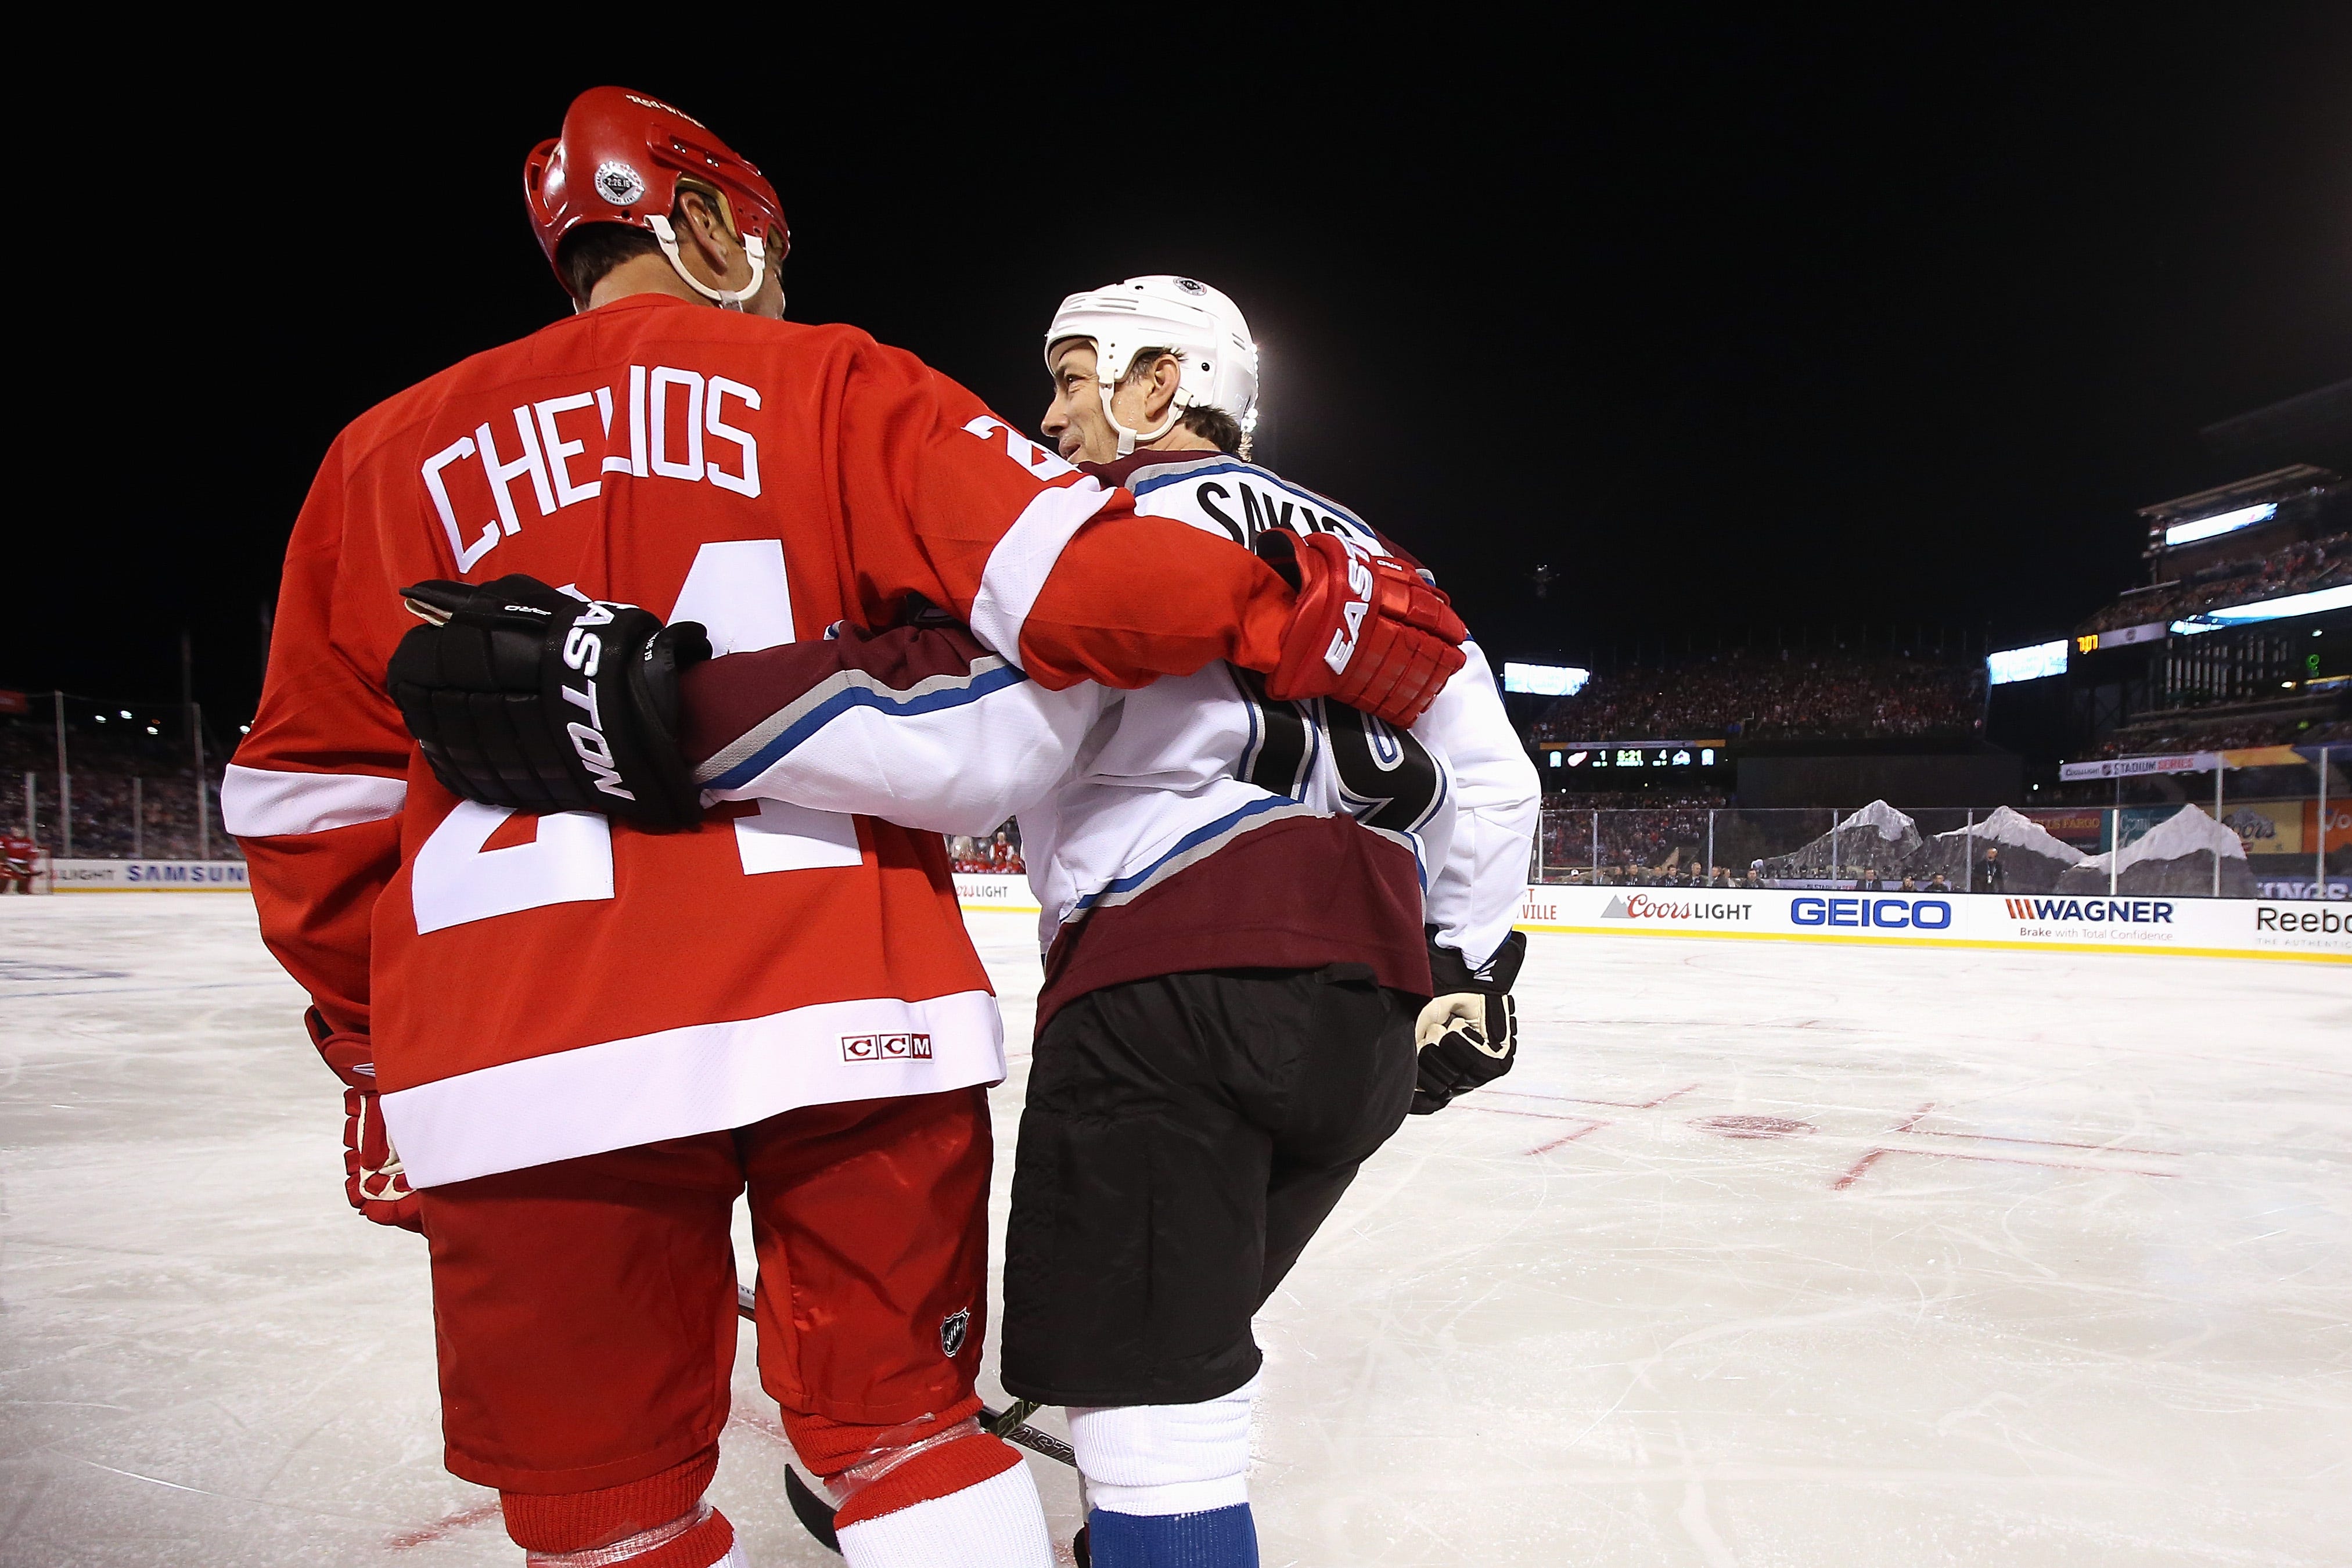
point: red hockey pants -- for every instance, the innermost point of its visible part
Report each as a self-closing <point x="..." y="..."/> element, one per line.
<point x="585" y="1311"/>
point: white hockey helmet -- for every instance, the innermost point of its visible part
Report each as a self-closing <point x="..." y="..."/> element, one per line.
<point x="1164" y="312"/>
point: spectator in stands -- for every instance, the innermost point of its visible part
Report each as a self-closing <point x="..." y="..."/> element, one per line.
<point x="1824" y="693"/>
<point x="2300" y="568"/>
<point x="1939" y="883"/>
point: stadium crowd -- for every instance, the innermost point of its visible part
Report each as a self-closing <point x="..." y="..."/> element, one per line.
<point x="996" y="855"/>
<point x="133" y="796"/>
<point x="1751" y="695"/>
<point x="2303" y="567"/>
<point x="2172" y="740"/>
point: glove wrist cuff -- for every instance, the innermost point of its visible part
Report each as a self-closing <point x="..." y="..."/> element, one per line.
<point x="1450" y="970"/>
<point x="351" y="1057"/>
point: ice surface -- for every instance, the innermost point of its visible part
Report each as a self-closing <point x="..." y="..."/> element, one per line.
<point x="1767" y="1255"/>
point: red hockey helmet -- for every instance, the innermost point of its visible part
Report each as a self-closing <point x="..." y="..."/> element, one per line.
<point x="619" y="161"/>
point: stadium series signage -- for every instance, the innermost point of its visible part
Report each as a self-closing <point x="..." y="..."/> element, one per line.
<point x="2136" y="767"/>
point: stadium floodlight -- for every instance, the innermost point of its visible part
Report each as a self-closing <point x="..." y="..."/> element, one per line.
<point x="2218" y="523"/>
<point x="2014" y="663"/>
<point x="1544" y="679"/>
<point x="2310" y="604"/>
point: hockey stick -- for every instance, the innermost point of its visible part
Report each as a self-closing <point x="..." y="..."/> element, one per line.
<point x="1011" y="1424"/>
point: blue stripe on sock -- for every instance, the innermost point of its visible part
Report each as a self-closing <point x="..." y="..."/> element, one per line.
<point x="1221" y="1538"/>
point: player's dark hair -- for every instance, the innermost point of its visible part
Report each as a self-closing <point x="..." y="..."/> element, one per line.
<point x="593" y="249"/>
<point x="1215" y="424"/>
<point x="1212" y="425"/>
<point x="590" y="250"/>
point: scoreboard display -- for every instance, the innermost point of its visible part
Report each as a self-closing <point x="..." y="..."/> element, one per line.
<point x="1587" y="757"/>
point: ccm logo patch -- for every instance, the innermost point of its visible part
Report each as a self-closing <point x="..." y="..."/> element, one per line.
<point x="886" y="1047"/>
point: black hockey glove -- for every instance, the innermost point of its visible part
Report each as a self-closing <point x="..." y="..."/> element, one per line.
<point x="522" y="696"/>
<point x="1469" y="1033"/>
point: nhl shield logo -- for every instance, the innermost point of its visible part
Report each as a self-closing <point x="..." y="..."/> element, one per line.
<point x="618" y="183"/>
<point x="952" y="1329"/>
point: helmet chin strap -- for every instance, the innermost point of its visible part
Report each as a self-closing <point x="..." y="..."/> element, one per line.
<point x="725" y="298"/>
<point x="1127" y="437"/>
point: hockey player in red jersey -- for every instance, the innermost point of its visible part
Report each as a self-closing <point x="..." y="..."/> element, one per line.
<point x="20" y="857"/>
<point x="567" y="1043"/>
<point x="1249" y="903"/>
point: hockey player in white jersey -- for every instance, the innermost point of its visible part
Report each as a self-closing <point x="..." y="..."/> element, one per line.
<point x="1270" y="928"/>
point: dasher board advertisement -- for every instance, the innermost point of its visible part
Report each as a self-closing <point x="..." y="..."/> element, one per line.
<point x="2214" y="928"/>
<point x="976" y="891"/>
<point x="149" y="877"/>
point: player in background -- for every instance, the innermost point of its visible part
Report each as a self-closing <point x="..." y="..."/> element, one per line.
<point x="569" y="1043"/>
<point x="20" y="860"/>
<point x="1248" y="905"/>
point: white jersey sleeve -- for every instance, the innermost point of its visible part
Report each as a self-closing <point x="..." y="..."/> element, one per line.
<point x="920" y="726"/>
<point x="1476" y="887"/>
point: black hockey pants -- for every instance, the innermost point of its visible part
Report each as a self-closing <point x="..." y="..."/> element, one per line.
<point x="1184" y="1138"/>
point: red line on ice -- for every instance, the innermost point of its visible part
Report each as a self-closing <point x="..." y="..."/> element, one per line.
<point x="448" y="1524"/>
<point x="1557" y="1142"/>
<point x="1861" y="1165"/>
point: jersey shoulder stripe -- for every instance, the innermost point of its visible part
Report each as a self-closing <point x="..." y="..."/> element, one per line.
<point x="775" y="737"/>
<point x="1193" y="848"/>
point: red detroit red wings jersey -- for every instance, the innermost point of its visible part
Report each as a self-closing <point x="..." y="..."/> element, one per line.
<point x="542" y="987"/>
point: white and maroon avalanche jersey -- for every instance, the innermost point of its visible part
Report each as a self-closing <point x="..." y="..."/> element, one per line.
<point x="1195" y="824"/>
<point x="542" y="987"/>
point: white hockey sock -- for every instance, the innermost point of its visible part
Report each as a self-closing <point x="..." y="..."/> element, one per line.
<point x="1000" y="1524"/>
<point x="1152" y="1459"/>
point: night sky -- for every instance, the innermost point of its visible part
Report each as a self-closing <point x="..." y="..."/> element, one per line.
<point x="1734" y="326"/>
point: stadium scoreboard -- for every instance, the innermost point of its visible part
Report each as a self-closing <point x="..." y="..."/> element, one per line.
<point x="1623" y="756"/>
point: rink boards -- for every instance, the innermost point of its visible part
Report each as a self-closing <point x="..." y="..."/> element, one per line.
<point x="2213" y="928"/>
<point x="147" y="877"/>
<point x="2222" y="928"/>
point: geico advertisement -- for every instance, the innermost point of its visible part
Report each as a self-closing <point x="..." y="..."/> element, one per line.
<point x="2251" y="926"/>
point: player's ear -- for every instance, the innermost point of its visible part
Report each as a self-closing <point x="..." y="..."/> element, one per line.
<point x="1167" y="375"/>
<point x="702" y="222"/>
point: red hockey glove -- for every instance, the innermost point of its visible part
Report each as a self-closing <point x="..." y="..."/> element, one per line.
<point x="1366" y="629"/>
<point x="373" y="1179"/>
